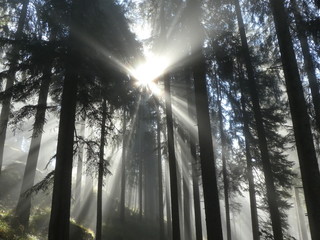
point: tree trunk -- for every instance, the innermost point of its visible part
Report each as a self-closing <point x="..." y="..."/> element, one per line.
<point x="172" y="163"/>
<point x="224" y="165"/>
<point x="141" y="155"/>
<point x="308" y="62"/>
<point x="24" y="203"/>
<point x="301" y="215"/>
<point x="252" y="192"/>
<point x="168" y="208"/>
<point x="80" y="164"/>
<point x="209" y="180"/>
<point x="196" y="194"/>
<point x="101" y="171"/>
<point x="262" y="141"/>
<point x="186" y="209"/>
<point x="210" y="190"/>
<point x="61" y="194"/>
<point x="60" y="210"/>
<point x="123" y="170"/>
<point x="5" y="111"/>
<point x="194" y="170"/>
<point x="300" y="119"/>
<point x="161" y="221"/>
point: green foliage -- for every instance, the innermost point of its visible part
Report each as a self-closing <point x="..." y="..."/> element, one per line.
<point x="38" y="229"/>
<point x="79" y="232"/>
<point x="9" y="231"/>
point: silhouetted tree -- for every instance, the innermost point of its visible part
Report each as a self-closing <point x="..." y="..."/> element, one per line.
<point x="300" y="119"/>
<point x="11" y="77"/>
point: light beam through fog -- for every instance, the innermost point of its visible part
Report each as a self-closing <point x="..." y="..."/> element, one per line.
<point x="168" y="54"/>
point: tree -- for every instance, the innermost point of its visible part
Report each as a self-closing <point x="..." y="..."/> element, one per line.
<point x="82" y="123"/>
<point x="172" y="163"/>
<point x="300" y="119"/>
<point x="252" y="196"/>
<point x="210" y="190"/>
<point x="101" y="170"/>
<point x="224" y="163"/>
<point x="24" y="202"/>
<point x="308" y="62"/>
<point x="160" y="185"/>
<point x="5" y="111"/>
<point x="271" y="192"/>
<point x="123" y="169"/>
<point x="61" y="195"/>
<point x="195" y="177"/>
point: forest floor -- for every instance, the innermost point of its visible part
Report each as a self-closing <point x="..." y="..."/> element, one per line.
<point x="131" y="229"/>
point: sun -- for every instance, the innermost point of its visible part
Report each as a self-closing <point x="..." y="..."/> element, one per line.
<point x="147" y="72"/>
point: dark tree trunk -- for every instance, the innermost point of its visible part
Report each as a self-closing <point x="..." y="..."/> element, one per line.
<point x="308" y="62"/>
<point x="224" y="165"/>
<point x="186" y="209"/>
<point x="24" y="203"/>
<point x="161" y="221"/>
<point x="60" y="210"/>
<point x="209" y="180"/>
<point x="141" y="155"/>
<point x="252" y="192"/>
<point x="172" y="163"/>
<point x="168" y="208"/>
<point x="196" y="194"/>
<point x="262" y="141"/>
<point x="101" y="171"/>
<point x="300" y="119"/>
<point x="5" y="110"/>
<point x="61" y="194"/>
<point x="80" y="164"/>
<point x="194" y="170"/>
<point x="210" y="190"/>
<point x="123" y="170"/>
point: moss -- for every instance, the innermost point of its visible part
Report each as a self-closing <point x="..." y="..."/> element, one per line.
<point x="39" y="222"/>
<point x="38" y="228"/>
<point x="10" y="232"/>
<point x="79" y="232"/>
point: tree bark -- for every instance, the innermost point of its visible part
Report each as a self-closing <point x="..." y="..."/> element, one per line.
<point x="194" y="170"/>
<point x="210" y="190"/>
<point x="80" y="164"/>
<point x="141" y="156"/>
<point x="301" y="123"/>
<point x="101" y="171"/>
<point x="168" y="208"/>
<point x="308" y="62"/>
<point x="61" y="194"/>
<point x="5" y="110"/>
<point x="252" y="192"/>
<point x="161" y="221"/>
<point x="60" y="210"/>
<point x="172" y="163"/>
<point x="209" y="180"/>
<point x="262" y="141"/>
<point x="24" y="203"/>
<point x="224" y="165"/>
<point x="123" y="170"/>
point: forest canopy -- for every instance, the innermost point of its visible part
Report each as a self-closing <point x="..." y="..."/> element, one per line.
<point x="160" y="120"/>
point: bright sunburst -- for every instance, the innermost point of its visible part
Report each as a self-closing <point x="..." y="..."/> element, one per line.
<point x="147" y="72"/>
